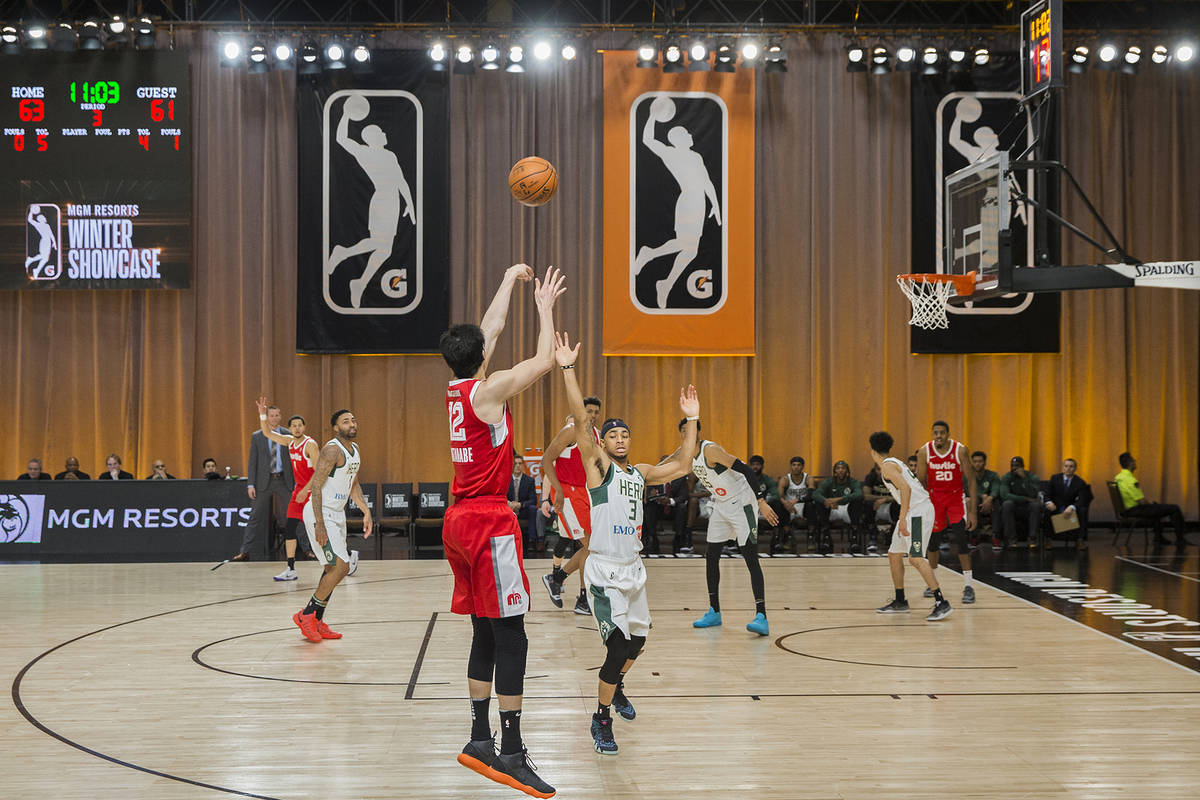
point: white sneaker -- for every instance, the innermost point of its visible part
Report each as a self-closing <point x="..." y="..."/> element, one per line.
<point x="353" y="562"/>
<point x="288" y="574"/>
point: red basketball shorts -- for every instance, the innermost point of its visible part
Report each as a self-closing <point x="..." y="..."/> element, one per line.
<point x="483" y="544"/>
<point x="948" y="508"/>
<point x="576" y="518"/>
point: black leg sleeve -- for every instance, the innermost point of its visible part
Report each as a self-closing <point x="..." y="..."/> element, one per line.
<point x="750" y="554"/>
<point x="482" y="662"/>
<point x="712" y="571"/>
<point x="512" y="648"/>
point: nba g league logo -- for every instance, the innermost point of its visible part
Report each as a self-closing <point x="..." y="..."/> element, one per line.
<point x="678" y="248"/>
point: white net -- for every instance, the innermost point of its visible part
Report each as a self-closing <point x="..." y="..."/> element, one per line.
<point x="929" y="298"/>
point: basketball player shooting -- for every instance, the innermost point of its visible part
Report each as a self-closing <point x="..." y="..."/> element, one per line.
<point x="940" y="467"/>
<point x="383" y="214"/>
<point x="613" y="571"/>
<point x="480" y="535"/>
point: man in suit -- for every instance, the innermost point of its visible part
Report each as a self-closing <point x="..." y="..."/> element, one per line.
<point x="268" y="476"/>
<point x="72" y="472"/>
<point x="1070" y="493"/>
<point x="522" y="499"/>
<point x="33" y="471"/>
<point x="113" y="470"/>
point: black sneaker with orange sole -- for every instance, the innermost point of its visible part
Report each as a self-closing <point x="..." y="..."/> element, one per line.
<point x="479" y="755"/>
<point x="517" y="771"/>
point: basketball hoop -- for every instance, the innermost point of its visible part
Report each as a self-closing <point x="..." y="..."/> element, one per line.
<point x="930" y="293"/>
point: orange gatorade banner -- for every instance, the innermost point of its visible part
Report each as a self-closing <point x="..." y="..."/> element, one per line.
<point x="678" y="211"/>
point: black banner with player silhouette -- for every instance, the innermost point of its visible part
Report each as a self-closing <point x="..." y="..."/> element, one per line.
<point x="374" y="247"/>
<point x="959" y="119"/>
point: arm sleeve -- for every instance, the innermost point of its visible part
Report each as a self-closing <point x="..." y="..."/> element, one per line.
<point x="752" y="479"/>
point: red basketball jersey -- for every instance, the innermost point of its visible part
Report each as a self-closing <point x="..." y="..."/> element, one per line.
<point x="569" y="466"/>
<point x="302" y="468"/>
<point x="482" y="452"/>
<point x="945" y="475"/>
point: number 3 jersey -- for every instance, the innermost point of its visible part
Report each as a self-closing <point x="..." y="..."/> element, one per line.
<point x="617" y="515"/>
<point x="482" y="452"/>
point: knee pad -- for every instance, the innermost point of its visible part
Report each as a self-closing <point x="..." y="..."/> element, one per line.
<point x="960" y="538"/>
<point x="636" y="643"/>
<point x="481" y="663"/>
<point x="512" y="647"/>
<point x="560" y="547"/>
<point x="618" y="654"/>
<point x="289" y="528"/>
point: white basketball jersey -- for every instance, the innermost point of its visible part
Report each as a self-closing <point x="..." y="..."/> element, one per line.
<point x="917" y="493"/>
<point x="336" y="489"/>
<point x="617" y="515"/>
<point x="727" y="485"/>
<point x="797" y="491"/>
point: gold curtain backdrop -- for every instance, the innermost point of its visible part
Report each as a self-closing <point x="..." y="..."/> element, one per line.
<point x="173" y="374"/>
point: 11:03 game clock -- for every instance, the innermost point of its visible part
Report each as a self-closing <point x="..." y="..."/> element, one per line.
<point x="1041" y="48"/>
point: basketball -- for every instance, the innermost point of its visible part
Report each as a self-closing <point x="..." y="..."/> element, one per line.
<point x="662" y="109"/>
<point x="357" y="107"/>
<point x="968" y="109"/>
<point x="532" y="181"/>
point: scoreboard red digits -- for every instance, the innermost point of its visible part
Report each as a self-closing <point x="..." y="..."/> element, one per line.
<point x="1041" y="48"/>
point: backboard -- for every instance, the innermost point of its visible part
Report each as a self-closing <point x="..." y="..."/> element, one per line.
<point x="976" y="210"/>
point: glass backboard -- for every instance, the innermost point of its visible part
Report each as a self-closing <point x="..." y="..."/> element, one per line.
<point x="976" y="210"/>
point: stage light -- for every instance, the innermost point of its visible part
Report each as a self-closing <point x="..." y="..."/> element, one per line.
<point x="568" y="51"/>
<point x="464" y="60"/>
<point x="10" y="40"/>
<point x="283" y="54"/>
<point x="725" y="58"/>
<point x="89" y="36"/>
<point x="647" y="55"/>
<point x="62" y="37"/>
<point x="751" y="50"/>
<point x="515" y="60"/>
<point x="698" y="57"/>
<point x="1133" y="57"/>
<point x="310" y="58"/>
<point x="437" y="57"/>
<point x="360" y="56"/>
<point x="143" y="33"/>
<point x="880" y="61"/>
<point x="1079" y="60"/>
<point x="982" y="56"/>
<point x="958" y="59"/>
<point x="1160" y="54"/>
<point x="932" y="61"/>
<point x="489" y="56"/>
<point x="35" y="37"/>
<point x="542" y="50"/>
<point x="1184" y="53"/>
<point x="906" y="58"/>
<point x="672" y="58"/>
<point x="856" y="58"/>
<point x="231" y="52"/>
<point x="116" y="26"/>
<point x="1108" y="54"/>
<point x="258" y="57"/>
<point x="775" y="57"/>
<point x="362" y="53"/>
<point x="335" y="56"/>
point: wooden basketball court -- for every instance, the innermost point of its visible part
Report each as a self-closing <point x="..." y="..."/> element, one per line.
<point x="171" y="681"/>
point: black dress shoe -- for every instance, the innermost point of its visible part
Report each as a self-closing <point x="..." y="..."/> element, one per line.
<point x="240" y="557"/>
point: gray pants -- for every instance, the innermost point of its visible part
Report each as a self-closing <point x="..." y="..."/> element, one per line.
<point x="1008" y="514"/>
<point x="254" y="540"/>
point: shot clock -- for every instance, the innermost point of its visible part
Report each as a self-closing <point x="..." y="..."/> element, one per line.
<point x="1041" y="48"/>
<point x="95" y="171"/>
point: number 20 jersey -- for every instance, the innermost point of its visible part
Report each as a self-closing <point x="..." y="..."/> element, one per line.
<point x="944" y="473"/>
<point x="482" y="452"/>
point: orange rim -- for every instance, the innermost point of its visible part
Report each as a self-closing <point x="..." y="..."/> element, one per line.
<point x="963" y="284"/>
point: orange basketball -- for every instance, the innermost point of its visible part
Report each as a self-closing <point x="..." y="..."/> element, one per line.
<point x="532" y="181"/>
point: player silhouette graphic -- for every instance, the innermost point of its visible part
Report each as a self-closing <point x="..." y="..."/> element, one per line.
<point x="696" y="192"/>
<point x="985" y="144"/>
<point x="47" y="243"/>
<point x="383" y="215"/>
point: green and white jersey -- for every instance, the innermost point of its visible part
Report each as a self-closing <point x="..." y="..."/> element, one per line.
<point x="617" y="515"/>
<point x="728" y="486"/>
<point x="917" y="493"/>
<point x="336" y="490"/>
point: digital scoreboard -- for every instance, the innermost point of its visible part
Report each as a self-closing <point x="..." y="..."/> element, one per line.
<point x="1041" y="48"/>
<point x="95" y="170"/>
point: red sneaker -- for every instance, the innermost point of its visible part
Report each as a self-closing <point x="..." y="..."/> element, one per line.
<point x="325" y="632"/>
<point x="307" y="623"/>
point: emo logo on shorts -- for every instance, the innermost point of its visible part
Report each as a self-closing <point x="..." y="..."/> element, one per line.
<point x="678" y="248"/>
<point x="43" y="242"/>
<point x="21" y="518"/>
<point x="371" y="209"/>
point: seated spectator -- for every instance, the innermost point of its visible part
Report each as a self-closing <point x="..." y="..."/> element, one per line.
<point x="522" y="499"/>
<point x="72" y="473"/>
<point x="795" y="495"/>
<point x="159" y="472"/>
<point x="33" y="471"/>
<point x="210" y="470"/>
<point x="1070" y="494"/>
<point x="114" y="472"/>
<point x="1020" y="491"/>
<point x="1137" y="504"/>
<point x="987" y="484"/>
<point x="879" y="506"/>
<point x="768" y="484"/>
<point x="839" y="497"/>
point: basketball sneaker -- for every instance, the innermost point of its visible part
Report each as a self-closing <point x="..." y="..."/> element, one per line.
<point x="307" y="623"/>
<point x="602" y="736"/>
<point x="711" y="619"/>
<point x="621" y="703"/>
<point x="581" y="605"/>
<point x="353" y="562"/>
<point x="968" y="595"/>
<point x="927" y="593"/>
<point x="894" y="607"/>
<point x="940" y="611"/>
<point x="519" y="772"/>
<point x="288" y="574"/>
<point x="759" y="625"/>
<point x="479" y="755"/>
<point x="325" y="632"/>
<point x="554" y="587"/>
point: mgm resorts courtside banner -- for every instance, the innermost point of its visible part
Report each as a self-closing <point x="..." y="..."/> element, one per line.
<point x="959" y="119"/>
<point x="116" y="520"/>
<point x="374" y="222"/>
<point x="678" y="211"/>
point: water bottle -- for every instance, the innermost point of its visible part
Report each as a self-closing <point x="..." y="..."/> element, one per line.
<point x="228" y="477"/>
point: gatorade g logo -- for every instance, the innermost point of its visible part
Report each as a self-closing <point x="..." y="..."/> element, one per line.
<point x="678" y="248"/>
<point x="514" y="599"/>
<point x="21" y="518"/>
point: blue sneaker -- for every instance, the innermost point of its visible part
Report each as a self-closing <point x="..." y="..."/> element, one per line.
<point x="711" y="619"/>
<point x="621" y="704"/>
<point x="602" y="736"/>
<point x="759" y="625"/>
